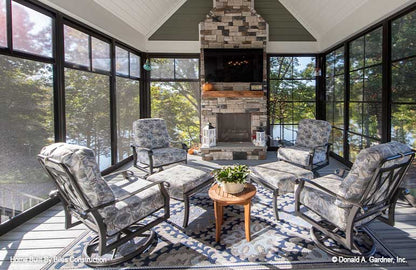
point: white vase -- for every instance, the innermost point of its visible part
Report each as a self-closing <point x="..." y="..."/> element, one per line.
<point x="232" y="188"/>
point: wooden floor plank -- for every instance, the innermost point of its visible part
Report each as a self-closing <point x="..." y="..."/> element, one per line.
<point x="36" y="244"/>
<point x="19" y="236"/>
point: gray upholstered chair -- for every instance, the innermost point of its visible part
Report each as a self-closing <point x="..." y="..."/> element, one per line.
<point x="344" y="205"/>
<point x="311" y="149"/>
<point x="151" y="146"/>
<point x="121" y="211"/>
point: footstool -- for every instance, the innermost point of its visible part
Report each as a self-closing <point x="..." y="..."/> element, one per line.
<point x="279" y="177"/>
<point x="184" y="181"/>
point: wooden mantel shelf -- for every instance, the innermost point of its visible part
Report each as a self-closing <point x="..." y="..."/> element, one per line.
<point x="243" y="94"/>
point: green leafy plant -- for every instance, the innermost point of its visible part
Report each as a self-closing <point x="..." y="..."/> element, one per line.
<point x="232" y="174"/>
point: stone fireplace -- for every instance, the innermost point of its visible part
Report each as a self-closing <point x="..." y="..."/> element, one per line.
<point x="236" y="111"/>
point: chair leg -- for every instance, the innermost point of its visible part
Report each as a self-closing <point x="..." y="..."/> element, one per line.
<point x="186" y="215"/>
<point x="275" y="208"/>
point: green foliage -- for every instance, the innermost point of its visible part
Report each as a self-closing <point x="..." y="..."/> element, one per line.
<point x="87" y="108"/>
<point x="292" y="90"/>
<point x="178" y="103"/>
<point x="232" y="174"/>
<point x="26" y="109"/>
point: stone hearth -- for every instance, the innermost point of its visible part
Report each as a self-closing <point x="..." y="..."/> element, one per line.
<point x="234" y="24"/>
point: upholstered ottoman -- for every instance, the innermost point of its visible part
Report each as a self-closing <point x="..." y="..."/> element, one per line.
<point x="184" y="181"/>
<point x="280" y="177"/>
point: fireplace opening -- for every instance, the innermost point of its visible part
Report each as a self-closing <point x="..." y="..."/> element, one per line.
<point x="234" y="127"/>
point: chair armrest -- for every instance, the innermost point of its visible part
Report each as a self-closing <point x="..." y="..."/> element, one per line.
<point x="127" y="196"/>
<point x="126" y="174"/>
<point x="184" y="145"/>
<point x="321" y="146"/>
<point x="301" y="182"/>
<point x="136" y="148"/>
<point x="341" y="172"/>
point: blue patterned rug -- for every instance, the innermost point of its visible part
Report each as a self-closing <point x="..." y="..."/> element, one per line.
<point x="284" y="244"/>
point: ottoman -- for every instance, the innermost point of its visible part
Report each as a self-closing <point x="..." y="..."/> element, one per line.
<point x="279" y="177"/>
<point x="184" y="181"/>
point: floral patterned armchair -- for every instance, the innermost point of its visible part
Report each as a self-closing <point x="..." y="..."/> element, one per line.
<point x="343" y="206"/>
<point x="311" y="149"/>
<point x="151" y="147"/>
<point x="113" y="208"/>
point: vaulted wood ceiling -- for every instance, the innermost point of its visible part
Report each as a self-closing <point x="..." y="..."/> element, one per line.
<point x="172" y="25"/>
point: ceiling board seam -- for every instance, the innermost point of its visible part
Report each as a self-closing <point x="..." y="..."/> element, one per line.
<point x="299" y="18"/>
<point x="164" y="19"/>
<point x="107" y="6"/>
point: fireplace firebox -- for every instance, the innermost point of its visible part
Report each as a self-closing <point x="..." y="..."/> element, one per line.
<point x="234" y="127"/>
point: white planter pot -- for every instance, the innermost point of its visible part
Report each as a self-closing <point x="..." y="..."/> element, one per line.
<point x="232" y="188"/>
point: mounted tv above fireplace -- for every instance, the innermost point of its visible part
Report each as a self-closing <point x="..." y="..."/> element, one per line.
<point x="233" y="65"/>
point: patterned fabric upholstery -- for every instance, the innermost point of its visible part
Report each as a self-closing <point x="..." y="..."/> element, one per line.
<point x="364" y="167"/>
<point x="280" y="174"/>
<point x="313" y="133"/>
<point x="82" y="165"/>
<point x="150" y="133"/>
<point x="353" y="186"/>
<point x="124" y="213"/>
<point x="97" y="191"/>
<point x="301" y="155"/>
<point x="323" y="203"/>
<point x="162" y="156"/>
<point x="181" y="179"/>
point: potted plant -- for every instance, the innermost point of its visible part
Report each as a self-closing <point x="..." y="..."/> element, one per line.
<point x="232" y="178"/>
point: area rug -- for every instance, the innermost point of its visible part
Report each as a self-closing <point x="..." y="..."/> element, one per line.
<point x="283" y="244"/>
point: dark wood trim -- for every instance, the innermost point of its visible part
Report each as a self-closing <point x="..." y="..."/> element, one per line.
<point x="243" y="94"/>
<point x="113" y="105"/>
<point x="386" y="84"/>
<point x="59" y="82"/>
<point x="346" y="100"/>
<point x="9" y="25"/>
<point x="320" y="88"/>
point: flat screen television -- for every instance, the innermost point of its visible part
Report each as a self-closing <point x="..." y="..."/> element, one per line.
<point x="233" y="65"/>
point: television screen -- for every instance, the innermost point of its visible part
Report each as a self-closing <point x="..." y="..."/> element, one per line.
<point x="233" y="65"/>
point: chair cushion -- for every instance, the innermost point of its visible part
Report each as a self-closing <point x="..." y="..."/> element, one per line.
<point x="366" y="163"/>
<point x="280" y="174"/>
<point x="181" y="178"/>
<point x="162" y="156"/>
<point x="150" y="133"/>
<point x="82" y="165"/>
<point x="312" y="133"/>
<point x="300" y="155"/>
<point x="324" y="204"/>
<point x="133" y="209"/>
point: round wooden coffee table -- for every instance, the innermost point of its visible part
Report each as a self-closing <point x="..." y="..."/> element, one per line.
<point x="222" y="199"/>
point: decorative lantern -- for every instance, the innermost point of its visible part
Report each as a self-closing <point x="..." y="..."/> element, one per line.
<point x="260" y="137"/>
<point x="209" y="136"/>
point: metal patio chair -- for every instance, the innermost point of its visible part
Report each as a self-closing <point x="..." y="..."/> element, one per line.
<point x="342" y="206"/>
<point x="151" y="147"/>
<point x="121" y="211"/>
<point x="311" y="148"/>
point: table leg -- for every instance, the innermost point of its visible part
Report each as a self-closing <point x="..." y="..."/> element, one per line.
<point x="217" y="211"/>
<point x="221" y="214"/>
<point x="247" y="208"/>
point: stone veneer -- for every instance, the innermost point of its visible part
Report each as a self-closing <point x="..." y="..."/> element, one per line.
<point x="234" y="24"/>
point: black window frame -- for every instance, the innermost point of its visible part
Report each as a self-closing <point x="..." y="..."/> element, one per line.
<point x="317" y="79"/>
